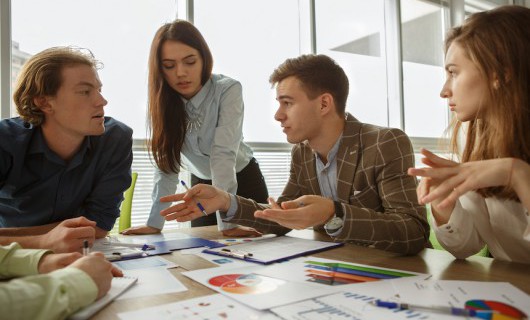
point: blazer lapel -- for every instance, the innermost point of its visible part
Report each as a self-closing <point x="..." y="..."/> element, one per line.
<point x="347" y="157"/>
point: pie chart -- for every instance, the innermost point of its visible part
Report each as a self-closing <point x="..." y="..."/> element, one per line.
<point x="502" y="311"/>
<point x="245" y="283"/>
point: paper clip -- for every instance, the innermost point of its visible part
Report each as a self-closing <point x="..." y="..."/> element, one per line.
<point x="235" y="253"/>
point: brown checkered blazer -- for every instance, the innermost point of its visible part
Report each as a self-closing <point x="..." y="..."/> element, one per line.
<point x="378" y="197"/>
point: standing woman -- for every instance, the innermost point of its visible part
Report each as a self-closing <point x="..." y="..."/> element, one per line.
<point x="196" y="120"/>
<point x="485" y="199"/>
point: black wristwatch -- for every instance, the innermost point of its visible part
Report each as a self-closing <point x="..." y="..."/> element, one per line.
<point x="337" y="221"/>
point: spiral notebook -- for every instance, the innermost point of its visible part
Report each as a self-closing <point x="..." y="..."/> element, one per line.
<point x="273" y="250"/>
<point x="119" y="286"/>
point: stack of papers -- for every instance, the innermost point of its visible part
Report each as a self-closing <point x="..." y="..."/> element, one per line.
<point x="315" y="288"/>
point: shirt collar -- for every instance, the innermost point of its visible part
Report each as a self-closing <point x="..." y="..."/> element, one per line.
<point x="332" y="154"/>
<point x="198" y="99"/>
<point x="38" y="145"/>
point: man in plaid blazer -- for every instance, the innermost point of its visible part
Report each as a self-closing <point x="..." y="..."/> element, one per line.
<point x="348" y="179"/>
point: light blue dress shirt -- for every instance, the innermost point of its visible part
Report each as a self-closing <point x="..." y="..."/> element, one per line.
<point x="327" y="173"/>
<point x="212" y="151"/>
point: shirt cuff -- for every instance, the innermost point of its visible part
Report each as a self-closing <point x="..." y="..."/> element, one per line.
<point x="156" y="221"/>
<point x="222" y="225"/>
<point x="81" y="289"/>
<point x="24" y="262"/>
<point x="231" y="212"/>
<point x="456" y="220"/>
<point x="223" y="218"/>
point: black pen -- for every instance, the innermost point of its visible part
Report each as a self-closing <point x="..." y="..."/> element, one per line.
<point x="86" y="248"/>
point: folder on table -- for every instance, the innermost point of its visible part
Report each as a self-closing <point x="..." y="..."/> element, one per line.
<point x="273" y="250"/>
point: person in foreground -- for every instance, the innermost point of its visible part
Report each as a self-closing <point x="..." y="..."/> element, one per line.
<point x="348" y="179"/>
<point x="196" y="119"/>
<point x="484" y="200"/>
<point x="50" y="286"/>
<point x="62" y="158"/>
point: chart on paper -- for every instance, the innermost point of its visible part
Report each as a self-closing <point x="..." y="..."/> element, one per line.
<point x="340" y="306"/>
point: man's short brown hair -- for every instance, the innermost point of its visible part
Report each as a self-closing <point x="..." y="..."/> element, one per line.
<point x="42" y="76"/>
<point x="318" y="74"/>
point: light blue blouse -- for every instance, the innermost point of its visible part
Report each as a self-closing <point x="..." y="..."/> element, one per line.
<point x="214" y="150"/>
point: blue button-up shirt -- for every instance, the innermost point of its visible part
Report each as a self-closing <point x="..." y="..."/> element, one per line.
<point x="37" y="187"/>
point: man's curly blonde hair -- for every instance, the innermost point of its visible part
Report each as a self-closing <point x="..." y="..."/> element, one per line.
<point x="42" y="76"/>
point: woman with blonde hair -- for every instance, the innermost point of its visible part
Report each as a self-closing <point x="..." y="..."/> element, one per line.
<point x="484" y="200"/>
<point x="196" y="119"/>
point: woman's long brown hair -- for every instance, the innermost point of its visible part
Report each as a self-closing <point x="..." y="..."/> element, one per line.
<point x="167" y="118"/>
<point x="498" y="43"/>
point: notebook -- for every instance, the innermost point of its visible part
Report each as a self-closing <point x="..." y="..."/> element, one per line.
<point x="118" y="287"/>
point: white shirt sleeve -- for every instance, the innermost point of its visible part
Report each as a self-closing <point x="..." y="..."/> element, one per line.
<point x="459" y="235"/>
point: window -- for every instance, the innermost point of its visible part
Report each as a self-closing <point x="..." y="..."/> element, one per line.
<point x="118" y="32"/>
<point x="352" y="33"/>
<point x="422" y="32"/>
<point x="249" y="39"/>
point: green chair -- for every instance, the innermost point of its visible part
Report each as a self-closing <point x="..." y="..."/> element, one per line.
<point x="124" y="221"/>
<point x="484" y="252"/>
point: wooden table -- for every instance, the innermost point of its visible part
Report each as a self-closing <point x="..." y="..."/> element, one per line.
<point x="441" y="264"/>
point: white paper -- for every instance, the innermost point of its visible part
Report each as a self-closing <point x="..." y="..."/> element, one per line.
<point x="118" y="286"/>
<point x="225" y="262"/>
<point x="220" y="261"/>
<point x="208" y="307"/>
<point x="144" y="263"/>
<point x="456" y="293"/>
<point x="342" y="306"/>
<point x="353" y="304"/>
<point x="149" y="238"/>
<point x="152" y="281"/>
<point x="254" y="290"/>
<point x="192" y="250"/>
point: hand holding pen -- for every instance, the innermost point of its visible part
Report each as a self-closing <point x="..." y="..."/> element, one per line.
<point x="195" y="202"/>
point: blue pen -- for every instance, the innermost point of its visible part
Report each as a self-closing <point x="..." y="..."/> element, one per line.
<point x="197" y="202"/>
<point x="438" y="309"/>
